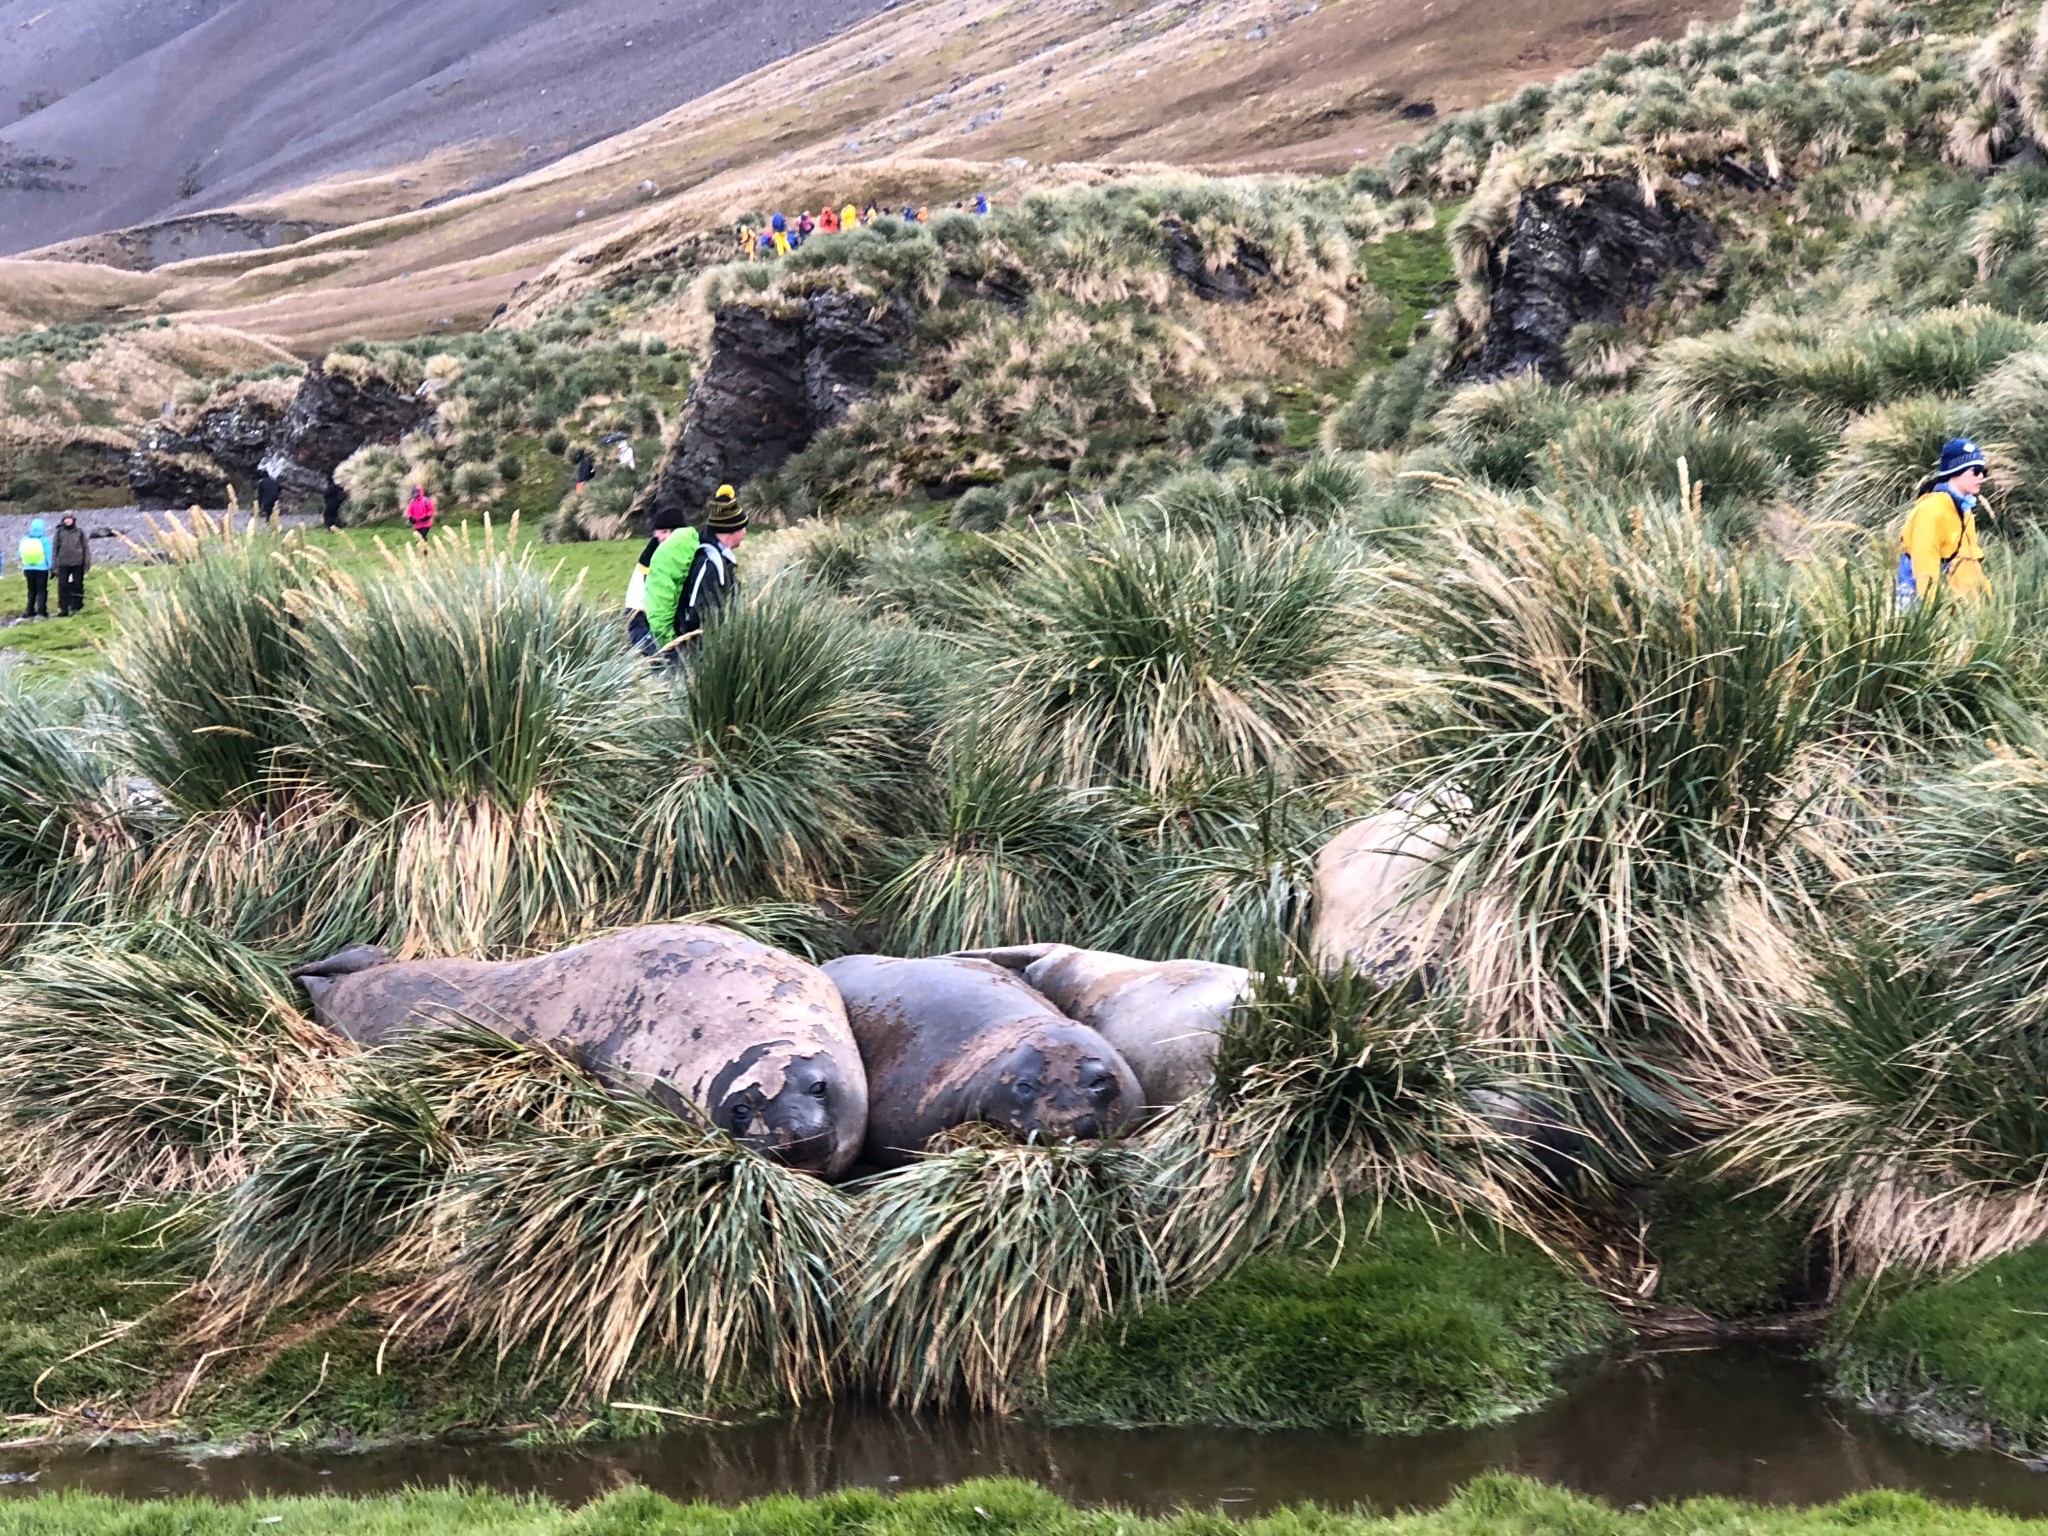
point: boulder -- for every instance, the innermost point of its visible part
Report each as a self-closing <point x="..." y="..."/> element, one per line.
<point x="1580" y="252"/>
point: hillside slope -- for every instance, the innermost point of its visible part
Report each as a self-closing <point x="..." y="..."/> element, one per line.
<point x="123" y="113"/>
<point x="967" y="86"/>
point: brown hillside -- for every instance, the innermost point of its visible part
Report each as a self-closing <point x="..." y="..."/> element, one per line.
<point x="993" y="91"/>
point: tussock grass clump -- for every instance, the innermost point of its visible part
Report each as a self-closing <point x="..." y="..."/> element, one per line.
<point x="1333" y="1083"/>
<point x="1225" y="868"/>
<point x="352" y="1178"/>
<point x="205" y="658"/>
<point x="774" y="761"/>
<point x="1015" y="858"/>
<point x="144" y="1062"/>
<point x="475" y="723"/>
<point x="1137" y="656"/>
<point x="64" y="826"/>
<point x="1616" y="727"/>
<point x="978" y="1260"/>
<point x="655" y="1238"/>
<point x="1760" y="367"/>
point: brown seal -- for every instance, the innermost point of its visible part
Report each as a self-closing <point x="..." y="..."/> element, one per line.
<point x="1162" y="1016"/>
<point x="949" y="1042"/>
<point x="755" y="1038"/>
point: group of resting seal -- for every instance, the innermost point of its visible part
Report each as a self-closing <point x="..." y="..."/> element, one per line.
<point x="862" y="1061"/>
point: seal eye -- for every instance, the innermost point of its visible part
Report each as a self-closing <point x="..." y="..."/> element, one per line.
<point x="1102" y="1085"/>
<point x="742" y="1115"/>
<point x="816" y="1090"/>
<point x="1027" y="1087"/>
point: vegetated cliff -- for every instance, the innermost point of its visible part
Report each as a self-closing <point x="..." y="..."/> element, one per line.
<point x="1587" y="252"/>
<point x="779" y="374"/>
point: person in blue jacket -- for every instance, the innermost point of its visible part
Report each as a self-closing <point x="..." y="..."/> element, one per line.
<point x="35" y="567"/>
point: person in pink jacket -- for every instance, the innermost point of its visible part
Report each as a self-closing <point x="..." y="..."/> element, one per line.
<point x="420" y="513"/>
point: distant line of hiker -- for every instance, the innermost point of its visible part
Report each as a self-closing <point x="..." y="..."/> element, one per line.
<point x="68" y="552"/>
<point x="780" y="235"/>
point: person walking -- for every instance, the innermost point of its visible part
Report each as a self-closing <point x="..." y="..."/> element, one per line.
<point x="1938" y="545"/>
<point x="828" y="222"/>
<point x="849" y="217"/>
<point x="267" y="492"/>
<point x="686" y="585"/>
<point x="71" y="554"/>
<point x="586" y="468"/>
<point x="667" y="526"/>
<point x="331" y="501"/>
<point x="35" y="569"/>
<point x="420" y="512"/>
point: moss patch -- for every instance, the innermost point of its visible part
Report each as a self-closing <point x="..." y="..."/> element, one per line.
<point x="1724" y="1252"/>
<point x="1966" y="1356"/>
<point x="1496" y="1504"/>
<point x="1406" y="1331"/>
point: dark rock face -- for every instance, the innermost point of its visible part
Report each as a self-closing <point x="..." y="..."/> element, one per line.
<point x="1232" y="283"/>
<point x="165" y="481"/>
<point x="329" y="418"/>
<point x="778" y="376"/>
<point x="332" y="416"/>
<point x="1580" y="252"/>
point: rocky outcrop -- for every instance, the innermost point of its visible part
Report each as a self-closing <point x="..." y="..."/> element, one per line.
<point x="166" y="481"/>
<point x="1230" y="282"/>
<point x="1580" y="252"/>
<point x="333" y="415"/>
<point x="303" y="435"/>
<point x="779" y="374"/>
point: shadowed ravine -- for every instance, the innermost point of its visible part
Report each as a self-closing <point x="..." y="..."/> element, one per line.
<point x="1737" y="1423"/>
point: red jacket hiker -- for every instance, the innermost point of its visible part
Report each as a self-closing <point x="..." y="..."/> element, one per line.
<point x="421" y="511"/>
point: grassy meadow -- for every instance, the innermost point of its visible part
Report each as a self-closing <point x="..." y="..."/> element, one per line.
<point x="1490" y="1504"/>
<point x="1723" y="980"/>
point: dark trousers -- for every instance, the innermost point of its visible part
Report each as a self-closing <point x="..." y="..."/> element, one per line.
<point x="70" y="590"/>
<point x="38" y="594"/>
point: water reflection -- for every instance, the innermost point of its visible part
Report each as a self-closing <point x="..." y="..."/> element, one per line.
<point x="1750" y="1425"/>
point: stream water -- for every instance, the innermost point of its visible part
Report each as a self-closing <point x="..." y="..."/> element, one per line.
<point x="1747" y="1424"/>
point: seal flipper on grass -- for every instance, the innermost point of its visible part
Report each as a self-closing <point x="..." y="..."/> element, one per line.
<point x="318" y="977"/>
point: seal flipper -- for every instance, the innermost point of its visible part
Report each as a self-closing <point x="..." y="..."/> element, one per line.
<point x="1012" y="957"/>
<point x="319" y="977"/>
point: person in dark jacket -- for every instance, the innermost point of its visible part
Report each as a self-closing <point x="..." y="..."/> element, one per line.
<point x="714" y="573"/>
<point x="72" y="554"/>
<point x="586" y="468"/>
<point x="267" y="492"/>
<point x="331" y="501"/>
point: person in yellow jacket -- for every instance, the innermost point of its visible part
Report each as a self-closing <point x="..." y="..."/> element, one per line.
<point x="1938" y="546"/>
<point x="849" y="217"/>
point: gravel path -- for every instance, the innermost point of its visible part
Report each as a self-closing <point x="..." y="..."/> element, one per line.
<point x="121" y="527"/>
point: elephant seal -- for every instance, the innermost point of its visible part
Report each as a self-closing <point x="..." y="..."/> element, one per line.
<point x="1368" y="883"/>
<point x="1162" y="1016"/>
<point x="754" y="1038"/>
<point x="949" y="1042"/>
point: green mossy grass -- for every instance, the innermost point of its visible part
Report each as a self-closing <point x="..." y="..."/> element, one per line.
<point x="1409" y="1327"/>
<point x="1496" y="1504"/>
<point x="1965" y="1356"/>
<point x="602" y="567"/>
<point x="1725" y="1251"/>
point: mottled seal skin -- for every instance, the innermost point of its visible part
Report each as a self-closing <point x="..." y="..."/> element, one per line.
<point x="755" y="1038"/>
<point x="1370" y="907"/>
<point x="950" y="1042"/>
<point x="1162" y="1016"/>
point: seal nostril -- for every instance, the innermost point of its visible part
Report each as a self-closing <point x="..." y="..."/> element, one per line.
<point x="1085" y="1128"/>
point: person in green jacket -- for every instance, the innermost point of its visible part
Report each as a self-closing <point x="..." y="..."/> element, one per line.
<point x="687" y="581"/>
